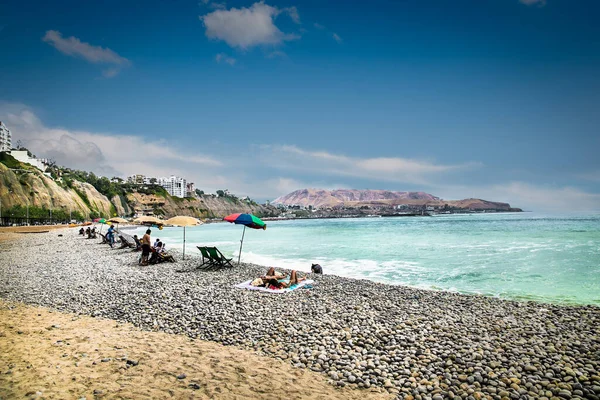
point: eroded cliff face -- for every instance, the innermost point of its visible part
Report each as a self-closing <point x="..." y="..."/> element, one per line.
<point x="30" y="186"/>
<point x="207" y="206"/>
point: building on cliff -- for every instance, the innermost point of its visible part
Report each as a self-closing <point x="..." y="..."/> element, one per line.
<point x="138" y="179"/>
<point x="190" y="190"/>
<point x="5" y="138"/>
<point x="24" y="157"/>
<point x="174" y="185"/>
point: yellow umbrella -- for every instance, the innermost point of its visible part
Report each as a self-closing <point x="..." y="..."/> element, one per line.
<point x="146" y="219"/>
<point x="118" y="220"/>
<point x="182" y="220"/>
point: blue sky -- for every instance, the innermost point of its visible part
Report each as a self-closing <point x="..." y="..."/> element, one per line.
<point x="494" y="99"/>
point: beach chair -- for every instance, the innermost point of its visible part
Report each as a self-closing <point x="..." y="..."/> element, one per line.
<point x="219" y="260"/>
<point x="207" y="261"/>
<point x="138" y="244"/>
<point x="162" y="257"/>
<point x="126" y="241"/>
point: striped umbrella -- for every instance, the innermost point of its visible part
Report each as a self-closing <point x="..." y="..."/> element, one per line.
<point x="248" y="220"/>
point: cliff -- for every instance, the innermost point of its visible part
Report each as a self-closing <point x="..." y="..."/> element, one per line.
<point x="319" y="198"/>
<point x="28" y="186"/>
<point x="207" y="206"/>
<point x="23" y="184"/>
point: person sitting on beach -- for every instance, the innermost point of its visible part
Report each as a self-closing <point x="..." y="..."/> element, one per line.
<point x="156" y="242"/>
<point x="82" y="231"/>
<point x="138" y="244"/>
<point x="294" y="280"/>
<point x="316" y="269"/>
<point x="88" y="232"/>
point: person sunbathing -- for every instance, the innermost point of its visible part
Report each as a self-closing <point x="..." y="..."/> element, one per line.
<point x="294" y="280"/>
<point x="271" y="274"/>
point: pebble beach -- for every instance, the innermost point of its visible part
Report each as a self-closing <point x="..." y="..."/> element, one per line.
<point x="369" y="337"/>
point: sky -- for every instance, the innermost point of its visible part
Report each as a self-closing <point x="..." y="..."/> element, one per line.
<point x="491" y="99"/>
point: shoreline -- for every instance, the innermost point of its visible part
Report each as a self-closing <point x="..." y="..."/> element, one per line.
<point x="356" y="333"/>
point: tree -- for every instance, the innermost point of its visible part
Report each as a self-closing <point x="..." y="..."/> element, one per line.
<point x="153" y="181"/>
<point x="199" y="192"/>
<point x="220" y="193"/>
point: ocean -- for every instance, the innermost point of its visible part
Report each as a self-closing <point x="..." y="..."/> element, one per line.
<point x="523" y="256"/>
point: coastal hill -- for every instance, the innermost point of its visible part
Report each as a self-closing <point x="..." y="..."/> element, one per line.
<point x="81" y="195"/>
<point x="351" y="198"/>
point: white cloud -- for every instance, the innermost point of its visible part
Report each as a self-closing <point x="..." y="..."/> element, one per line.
<point x="318" y="26"/>
<point x="389" y="169"/>
<point x="222" y="57"/>
<point x="119" y="155"/>
<point x="72" y="46"/>
<point x="529" y="197"/>
<point x="214" y="4"/>
<point x="539" y="3"/>
<point x="247" y="27"/>
<point x="336" y="37"/>
<point x="293" y="13"/>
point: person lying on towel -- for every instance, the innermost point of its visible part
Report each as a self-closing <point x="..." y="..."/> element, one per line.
<point x="274" y="284"/>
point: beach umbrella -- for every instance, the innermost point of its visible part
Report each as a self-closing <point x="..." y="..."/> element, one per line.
<point x="182" y="220"/>
<point x="147" y="219"/>
<point x="100" y="221"/>
<point x="150" y="221"/>
<point x="248" y="220"/>
<point x="118" y="220"/>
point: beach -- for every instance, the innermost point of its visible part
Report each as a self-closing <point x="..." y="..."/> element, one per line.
<point x="343" y="338"/>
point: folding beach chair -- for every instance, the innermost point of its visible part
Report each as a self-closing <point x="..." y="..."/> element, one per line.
<point x="126" y="241"/>
<point x="218" y="258"/>
<point x="207" y="261"/>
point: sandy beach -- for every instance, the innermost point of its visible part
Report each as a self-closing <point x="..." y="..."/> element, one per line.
<point x="96" y="321"/>
<point x="48" y="354"/>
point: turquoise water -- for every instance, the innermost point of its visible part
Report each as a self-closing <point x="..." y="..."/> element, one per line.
<point x="518" y="255"/>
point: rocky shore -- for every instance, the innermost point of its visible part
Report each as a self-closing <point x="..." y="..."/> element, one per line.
<point x="414" y="343"/>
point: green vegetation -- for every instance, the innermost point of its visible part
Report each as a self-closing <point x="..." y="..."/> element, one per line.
<point x="83" y="196"/>
<point x="152" y="189"/>
<point x="9" y="161"/>
<point x="58" y="214"/>
<point x="102" y="184"/>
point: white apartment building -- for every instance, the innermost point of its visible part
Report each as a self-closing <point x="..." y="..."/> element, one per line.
<point x="175" y="185"/>
<point x="5" y="138"/>
<point x="23" y="156"/>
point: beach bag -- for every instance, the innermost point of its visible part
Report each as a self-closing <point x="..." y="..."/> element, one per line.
<point x="257" y="282"/>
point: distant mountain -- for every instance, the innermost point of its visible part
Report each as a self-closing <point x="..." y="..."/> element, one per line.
<point x="320" y="198"/>
<point x="349" y="197"/>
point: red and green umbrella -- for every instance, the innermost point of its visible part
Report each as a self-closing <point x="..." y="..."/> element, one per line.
<point x="248" y="220"/>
